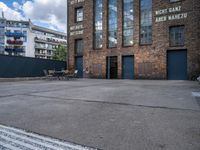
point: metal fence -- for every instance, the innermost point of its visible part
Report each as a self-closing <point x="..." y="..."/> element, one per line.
<point x="16" y="66"/>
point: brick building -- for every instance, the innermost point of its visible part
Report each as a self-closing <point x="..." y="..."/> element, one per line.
<point x="134" y="39"/>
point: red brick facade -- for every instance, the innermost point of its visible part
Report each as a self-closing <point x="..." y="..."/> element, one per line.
<point x="150" y="61"/>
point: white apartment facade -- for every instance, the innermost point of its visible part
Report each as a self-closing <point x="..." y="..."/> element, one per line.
<point x="46" y="41"/>
<point x="23" y="38"/>
<point x="2" y="34"/>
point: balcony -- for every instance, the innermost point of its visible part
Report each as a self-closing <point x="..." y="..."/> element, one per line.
<point x="14" y="42"/>
<point x="40" y="47"/>
<point x="18" y="50"/>
<point x="51" y="41"/>
<point x="50" y="48"/>
<point x="40" y="54"/>
<point x="2" y="26"/>
<point x="14" y="34"/>
<point x="39" y="39"/>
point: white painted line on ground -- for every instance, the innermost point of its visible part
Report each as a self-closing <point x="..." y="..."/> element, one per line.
<point x="14" y="136"/>
<point x="196" y="94"/>
<point x="44" y="139"/>
<point x="9" y="146"/>
<point x="10" y="136"/>
<point x="28" y="146"/>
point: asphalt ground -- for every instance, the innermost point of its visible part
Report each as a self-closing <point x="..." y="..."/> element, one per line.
<point x="106" y="114"/>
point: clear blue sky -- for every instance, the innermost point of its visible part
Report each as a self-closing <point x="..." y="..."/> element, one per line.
<point x="9" y="2"/>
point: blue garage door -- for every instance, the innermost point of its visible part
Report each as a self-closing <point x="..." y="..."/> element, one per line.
<point x="128" y="67"/>
<point x="79" y="66"/>
<point x="177" y="65"/>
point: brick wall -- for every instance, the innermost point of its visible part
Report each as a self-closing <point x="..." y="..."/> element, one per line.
<point x="149" y="60"/>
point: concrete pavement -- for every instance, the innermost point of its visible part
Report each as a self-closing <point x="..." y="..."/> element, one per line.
<point x="106" y="114"/>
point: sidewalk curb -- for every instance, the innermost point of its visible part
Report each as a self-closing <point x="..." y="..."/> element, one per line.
<point x="21" y="79"/>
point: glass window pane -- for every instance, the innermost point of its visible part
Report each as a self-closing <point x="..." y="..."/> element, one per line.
<point x="128" y="18"/>
<point x="145" y="21"/>
<point x="112" y="23"/>
<point x="177" y="36"/>
<point x="79" y="47"/>
<point x="98" y="29"/>
<point x="79" y="14"/>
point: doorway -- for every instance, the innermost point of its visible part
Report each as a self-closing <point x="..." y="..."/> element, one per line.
<point x="112" y="67"/>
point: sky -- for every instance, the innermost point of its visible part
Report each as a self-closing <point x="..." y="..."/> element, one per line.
<point x="47" y="13"/>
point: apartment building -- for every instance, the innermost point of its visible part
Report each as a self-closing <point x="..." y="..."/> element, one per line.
<point x="23" y="38"/>
<point x="134" y="39"/>
<point x="2" y="34"/>
<point x="46" y="41"/>
<point x="16" y="38"/>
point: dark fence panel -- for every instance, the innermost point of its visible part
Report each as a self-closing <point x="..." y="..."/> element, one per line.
<point x="14" y="66"/>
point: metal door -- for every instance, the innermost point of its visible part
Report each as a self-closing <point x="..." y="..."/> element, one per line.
<point x="128" y="67"/>
<point x="177" y="65"/>
<point x="79" y="66"/>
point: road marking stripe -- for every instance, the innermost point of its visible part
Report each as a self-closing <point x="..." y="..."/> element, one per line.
<point x="10" y="130"/>
<point x="22" y="140"/>
<point x="3" y="148"/>
<point x="30" y="137"/>
<point x="46" y="141"/>
<point x="43" y="144"/>
<point x="29" y="146"/>
<point x="9" y="146"/>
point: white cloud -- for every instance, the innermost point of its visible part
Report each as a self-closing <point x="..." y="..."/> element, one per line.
<point x="17" y="6"/>
<point x="10" y="13"/>
<point x="51" y="12"/>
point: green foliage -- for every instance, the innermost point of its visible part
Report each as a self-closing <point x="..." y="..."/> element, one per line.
<point x="60" y="53"/>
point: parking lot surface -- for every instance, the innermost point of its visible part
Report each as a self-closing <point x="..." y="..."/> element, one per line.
<point x="106" y="114"/>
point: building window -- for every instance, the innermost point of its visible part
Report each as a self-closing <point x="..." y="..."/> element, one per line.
<point x="177" y="36"/>
<point x="79" y="14"/>
<point x="79" y="47"/>
<point x="17" y="31"/>
<point x="128" y="17"/>
<point x="112" y="23"/>
<point x="25" y="37"/>
<point x="98" y="31"/>
<point x="145" y="22"/>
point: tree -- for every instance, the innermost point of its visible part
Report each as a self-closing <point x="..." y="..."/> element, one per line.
<point x="60" y="53"/>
